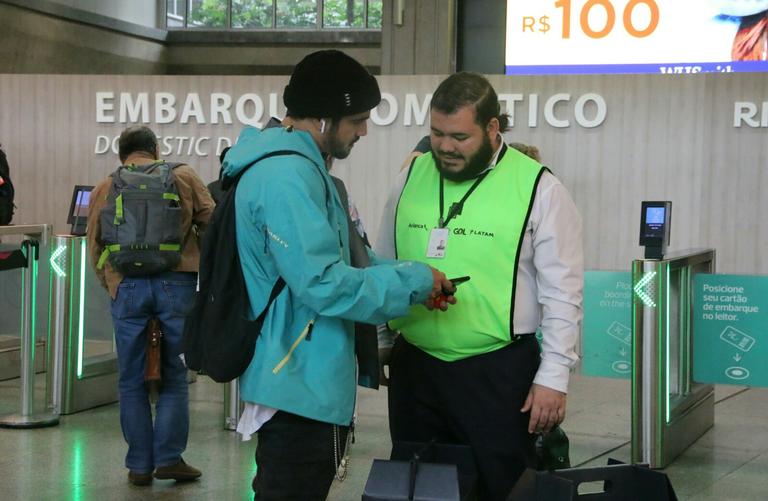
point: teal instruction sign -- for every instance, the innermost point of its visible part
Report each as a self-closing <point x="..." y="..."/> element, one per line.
<point x="607" y="327"/>
<point x="730" y="326"/>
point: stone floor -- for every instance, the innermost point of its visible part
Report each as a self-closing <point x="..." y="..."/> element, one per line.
<point x="82" y="458"/>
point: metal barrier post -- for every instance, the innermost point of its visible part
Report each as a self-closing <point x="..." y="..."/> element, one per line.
<point x="233" y="407"/>
<point x="27" y="418"/>
<point x="59" y="319"/>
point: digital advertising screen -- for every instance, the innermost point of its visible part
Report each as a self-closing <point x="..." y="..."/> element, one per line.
<point x="636" y="36"/>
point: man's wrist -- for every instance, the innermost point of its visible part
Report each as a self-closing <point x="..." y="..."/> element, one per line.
<point x="553" y="376"/>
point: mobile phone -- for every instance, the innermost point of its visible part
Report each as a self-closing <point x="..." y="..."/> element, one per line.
<point x="455" y="282"/>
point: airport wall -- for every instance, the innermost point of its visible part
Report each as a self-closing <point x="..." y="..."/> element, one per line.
<point x="699" y="140"/>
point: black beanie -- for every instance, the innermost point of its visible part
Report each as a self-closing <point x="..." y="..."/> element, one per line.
<point x="329" y="83"/>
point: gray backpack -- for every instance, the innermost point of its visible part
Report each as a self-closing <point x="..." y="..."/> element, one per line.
<point x="141" y="224"/>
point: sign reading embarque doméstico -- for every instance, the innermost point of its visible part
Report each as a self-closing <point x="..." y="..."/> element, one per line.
<point x="225" y="110"/>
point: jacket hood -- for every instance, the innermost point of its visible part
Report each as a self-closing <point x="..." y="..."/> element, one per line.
<point x="254" y="144"/>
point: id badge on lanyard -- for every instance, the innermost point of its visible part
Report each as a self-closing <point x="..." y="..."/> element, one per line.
<point x="438" y="241"/>
<point x="438" y="237"/>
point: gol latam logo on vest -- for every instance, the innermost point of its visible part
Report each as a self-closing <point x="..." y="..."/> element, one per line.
<point x="467" y="232"/>
<point x="472" y="232"/>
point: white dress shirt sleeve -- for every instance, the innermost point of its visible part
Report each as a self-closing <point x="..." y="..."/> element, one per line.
<point x="385" y="243"/>
<point x="558" y="260"/>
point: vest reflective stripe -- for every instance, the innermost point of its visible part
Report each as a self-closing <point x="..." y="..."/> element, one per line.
<point x="484" y="243"/>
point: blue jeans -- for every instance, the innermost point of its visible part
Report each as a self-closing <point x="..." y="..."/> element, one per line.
<point x="167" y="297"/>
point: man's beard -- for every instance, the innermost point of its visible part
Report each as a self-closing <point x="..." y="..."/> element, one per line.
<point x="336" y="148"/>
<point x="473" y="166"/>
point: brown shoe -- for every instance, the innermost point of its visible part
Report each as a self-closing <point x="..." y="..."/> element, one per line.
<point x="139" y="478"/>
<point x="180" y="472"/>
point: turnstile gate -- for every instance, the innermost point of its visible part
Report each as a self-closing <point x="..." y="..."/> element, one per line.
<point x="83" y="367"/>
<point x="13" y="275"/>
<point x="27" y="256"/>
<point x="669" y="410"/>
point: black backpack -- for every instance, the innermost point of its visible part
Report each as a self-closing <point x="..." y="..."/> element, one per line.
<point x="219" y="339"/>
<point x="6" y="191"/>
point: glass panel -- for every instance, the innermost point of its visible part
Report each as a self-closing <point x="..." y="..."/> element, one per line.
<point x="252" y="13"/>
<point x="97" y="329"/>
<point x="207" y="14"/>
<point x="11" y="297"/>
<point x="175" y="13"/>
<point x="11" y="289"/>
<point x="343" y="14"/>
<point x="374" y="13"/>
<point x="676" y="331"/>
<point x="680" y="384"/>
<point x="296" y="13"/>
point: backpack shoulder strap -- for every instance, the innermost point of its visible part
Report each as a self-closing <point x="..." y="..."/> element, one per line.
<point x="342" y="190"/>
<point x="231" y="183"/>
<point x="117" y="181"/>
<point x="276" y="290"/>
<point x="227" y="181"/>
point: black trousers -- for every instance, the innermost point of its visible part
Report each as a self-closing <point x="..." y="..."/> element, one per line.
<point x="475" y="402"/>
<point x="295" y="458"/>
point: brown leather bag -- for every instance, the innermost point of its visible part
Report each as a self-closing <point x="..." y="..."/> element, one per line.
<point x="153" y="371"/>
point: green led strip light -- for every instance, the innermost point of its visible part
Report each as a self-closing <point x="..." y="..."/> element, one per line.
<point x="77" y="483"/>
<point x="81" y="315"/>
<point x="642" y="293"/>
<point x="666" y="336"/>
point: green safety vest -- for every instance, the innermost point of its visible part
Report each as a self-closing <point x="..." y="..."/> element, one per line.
<point x="484" y="242"/>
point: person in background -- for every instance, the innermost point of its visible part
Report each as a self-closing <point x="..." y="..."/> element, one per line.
<point x="7" y="191"/>
<point x="214" y="187"/>
<point x="475" y="375"/>
<point x="528" y="150"/>
<point x="154" y="446"/>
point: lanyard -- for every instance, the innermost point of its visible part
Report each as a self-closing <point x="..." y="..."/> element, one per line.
<point x="456" y="207"/>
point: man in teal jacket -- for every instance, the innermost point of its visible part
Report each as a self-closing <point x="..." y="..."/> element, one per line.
<point x="300" y="386"/>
